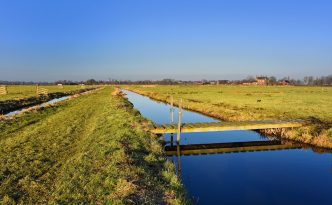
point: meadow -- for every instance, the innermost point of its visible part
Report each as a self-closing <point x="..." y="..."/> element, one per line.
<point x="16" y="92"/>
<point x="91" y="149"/>
<point x="18" y="96"/>
<point x="236" y="103"/>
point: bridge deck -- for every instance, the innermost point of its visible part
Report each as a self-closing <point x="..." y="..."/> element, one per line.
<point x="227" y="126"/>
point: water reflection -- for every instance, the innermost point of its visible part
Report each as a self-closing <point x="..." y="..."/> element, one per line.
<point x="178" y="154"/>
<point x="229" y="147"/>
<point x="223" y="148"/>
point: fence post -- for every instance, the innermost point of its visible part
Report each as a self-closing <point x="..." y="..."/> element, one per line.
<point x="3" y="90"/>
<point x="37" y="90"/>
<point x="179" y="122"/>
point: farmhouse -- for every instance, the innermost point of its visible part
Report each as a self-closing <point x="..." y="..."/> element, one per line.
<point x="262" y="80"/>
<point x="284" y="82"/>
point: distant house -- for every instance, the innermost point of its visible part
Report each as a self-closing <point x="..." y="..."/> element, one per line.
<point x="284" y="82"/>
<point x="258" y="81"/>
<point x="262" y="80"/>
<point x="203" y="82"/>
<point x="223" y="82"/>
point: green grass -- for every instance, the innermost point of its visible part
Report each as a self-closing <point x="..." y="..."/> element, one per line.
<point x="16" y="92"/>
<point x="92" y="149"/>
<point x="241" y="101"/>
<point x="236" y="103"/>
<point x="25" y="96"/>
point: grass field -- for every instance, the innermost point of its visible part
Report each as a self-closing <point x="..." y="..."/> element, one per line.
<point x="92" y="149"/>
<point x="252" y="102"/>
<point x="235" y="103"/>
<point x="25" y="96"/>
<point x="16" y="92"/>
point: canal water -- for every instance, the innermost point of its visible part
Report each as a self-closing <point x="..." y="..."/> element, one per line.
<point x="51" y="102"/>
<point x="292" y="176"/>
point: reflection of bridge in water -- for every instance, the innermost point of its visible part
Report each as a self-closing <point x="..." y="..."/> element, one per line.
<point x="229" y="147"/>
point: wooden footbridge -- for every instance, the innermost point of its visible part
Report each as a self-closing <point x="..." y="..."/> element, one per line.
<point x="219" y="126"/>
<point x="226" y="126"/>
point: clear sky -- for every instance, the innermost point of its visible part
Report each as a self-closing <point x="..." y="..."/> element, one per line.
<point x="154" y="39"/>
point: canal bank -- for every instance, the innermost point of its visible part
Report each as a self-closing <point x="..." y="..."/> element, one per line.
<point x="287" y="176"/>
<point x="315" y="132"/>
<point x="90" y="150"/>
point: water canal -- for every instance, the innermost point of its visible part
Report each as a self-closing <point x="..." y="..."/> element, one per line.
<point x="291" y="176"/>
<point x="50" y="102"/>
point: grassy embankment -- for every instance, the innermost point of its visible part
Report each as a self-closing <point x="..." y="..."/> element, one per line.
<point x="92" y="149"/>
<point x="20" y="96"/>
<point x="235" y="103"/>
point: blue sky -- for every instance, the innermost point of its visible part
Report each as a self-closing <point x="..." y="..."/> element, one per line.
<point x="155" y="39"/>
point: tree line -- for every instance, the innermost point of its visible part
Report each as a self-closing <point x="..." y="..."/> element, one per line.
<point x="271" y="80"/>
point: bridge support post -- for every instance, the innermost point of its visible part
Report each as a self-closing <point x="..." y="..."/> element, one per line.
<point x="172" y="117"/>
<point x="179" y="122"/>
<point x="172" y="111"/>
